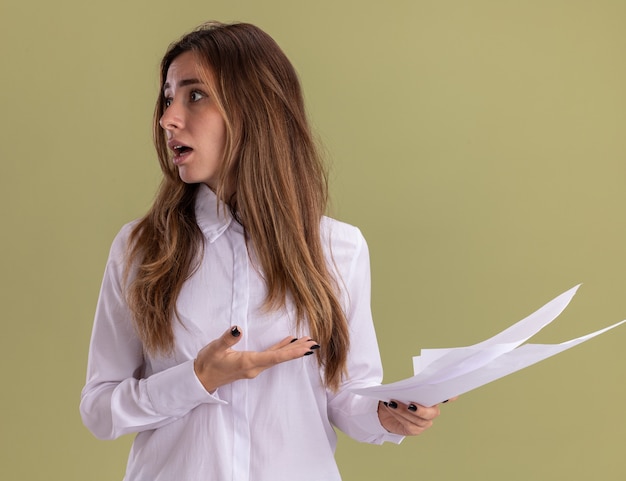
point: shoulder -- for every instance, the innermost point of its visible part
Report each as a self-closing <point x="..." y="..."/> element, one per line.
<point x="345" y="241"/>
<point x="119" y="246"/>
<point x="339" y="232"/>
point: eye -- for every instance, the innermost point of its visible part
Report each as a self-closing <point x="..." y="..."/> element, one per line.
<point x="196" y="95"/>
<point x="167" y="101"/>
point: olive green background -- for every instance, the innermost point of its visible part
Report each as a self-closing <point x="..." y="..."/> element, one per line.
<point x="480" y="146"/>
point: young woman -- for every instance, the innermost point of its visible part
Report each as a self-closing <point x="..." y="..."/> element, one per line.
<point x="234" y="318"/>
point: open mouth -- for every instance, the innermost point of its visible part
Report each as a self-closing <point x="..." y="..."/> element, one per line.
<point x="182" y="149"/>
<point x="180" y="152"/>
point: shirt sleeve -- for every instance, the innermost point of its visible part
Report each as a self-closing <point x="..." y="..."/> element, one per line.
<point x="116" y="399"/>
<point x="357" y="415"/>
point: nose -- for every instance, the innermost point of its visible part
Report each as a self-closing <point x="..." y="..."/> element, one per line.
<point x="172" y="118"/>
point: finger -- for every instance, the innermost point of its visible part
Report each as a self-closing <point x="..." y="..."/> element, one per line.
<point x="424" y="412"/>
<point x="395" y="420"/>
<point x="295" y="343"/>
<point x="288" y="352"/>
<point x="228" y="339"/>
<point x="414" y="412"/>
<point x="285" y="342"/>
<point x="304" y="345"/>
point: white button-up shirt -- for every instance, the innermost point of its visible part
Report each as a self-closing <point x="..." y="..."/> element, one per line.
<point x="278" y="426"/>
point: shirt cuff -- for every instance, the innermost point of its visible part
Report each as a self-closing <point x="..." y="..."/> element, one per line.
<point x="177" y="390"/>
<point x="371" y="423"/>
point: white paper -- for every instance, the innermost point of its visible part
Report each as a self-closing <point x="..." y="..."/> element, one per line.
<point x="441" y="374"/>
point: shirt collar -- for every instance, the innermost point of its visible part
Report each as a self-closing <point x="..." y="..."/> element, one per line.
<point x="212" y="216"/>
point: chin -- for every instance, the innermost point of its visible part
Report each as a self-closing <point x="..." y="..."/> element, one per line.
<point x="187" y="180"/>
<point x="188" y="177"/>
<point x="194" y="179"/>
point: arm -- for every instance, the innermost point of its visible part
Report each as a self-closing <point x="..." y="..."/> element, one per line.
<point x="357" y="415"/>
<point x="367" y="419"/>
<point x="117" y="399"/>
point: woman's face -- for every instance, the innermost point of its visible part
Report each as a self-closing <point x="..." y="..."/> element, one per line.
<point x="194" y="127"/>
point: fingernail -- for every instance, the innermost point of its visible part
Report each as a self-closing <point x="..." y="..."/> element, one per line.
<point x="315" y="346"/>
<point x="385" y="403"/>
<point x="308" y="353"/>
<point x="235" y="332"/>
<point x="412" y="407"/>
<point x="294" y="339"/>
<point x="446" y="401"/>
<point x="393" y="404"/>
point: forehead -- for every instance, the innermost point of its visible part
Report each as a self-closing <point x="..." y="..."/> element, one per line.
<point x="186" y="66"/>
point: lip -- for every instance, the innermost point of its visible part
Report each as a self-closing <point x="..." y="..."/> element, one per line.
<point x="179" y="157"/>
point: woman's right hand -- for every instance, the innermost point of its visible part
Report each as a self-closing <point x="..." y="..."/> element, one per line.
<point x="217" y="364"/>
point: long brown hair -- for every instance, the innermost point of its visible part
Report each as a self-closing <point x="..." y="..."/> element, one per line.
<point x="280" y="194"/>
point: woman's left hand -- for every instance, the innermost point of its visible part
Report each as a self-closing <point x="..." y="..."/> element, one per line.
<point x="406" y="419"/>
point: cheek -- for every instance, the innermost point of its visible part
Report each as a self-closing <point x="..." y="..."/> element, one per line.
<point x="212" y="127"/>
<point x="220" y="126"/>
<point x="220" y="133"/>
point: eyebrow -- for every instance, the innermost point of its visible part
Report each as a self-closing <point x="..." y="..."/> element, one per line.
<point x="183" y="83"/>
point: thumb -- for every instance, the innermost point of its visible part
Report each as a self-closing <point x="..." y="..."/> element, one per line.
<point x="229" y="338"/>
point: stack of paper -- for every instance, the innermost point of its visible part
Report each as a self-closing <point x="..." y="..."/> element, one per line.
<point x="441" y="374"/>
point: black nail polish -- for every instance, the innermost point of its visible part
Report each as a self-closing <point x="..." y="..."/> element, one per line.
<point x="385" y="403"/>
<point x="412" y="407"/>
<point x="316" y="346"/>
<point x="446" y="401"/>
<point x="393" y="404"/>
<point x="308" y="353"/>
<point x="294" y="339"/>
<point x="235" y="332"/>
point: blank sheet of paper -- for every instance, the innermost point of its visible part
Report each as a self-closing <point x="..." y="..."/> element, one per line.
<point x="441" y="374"/>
